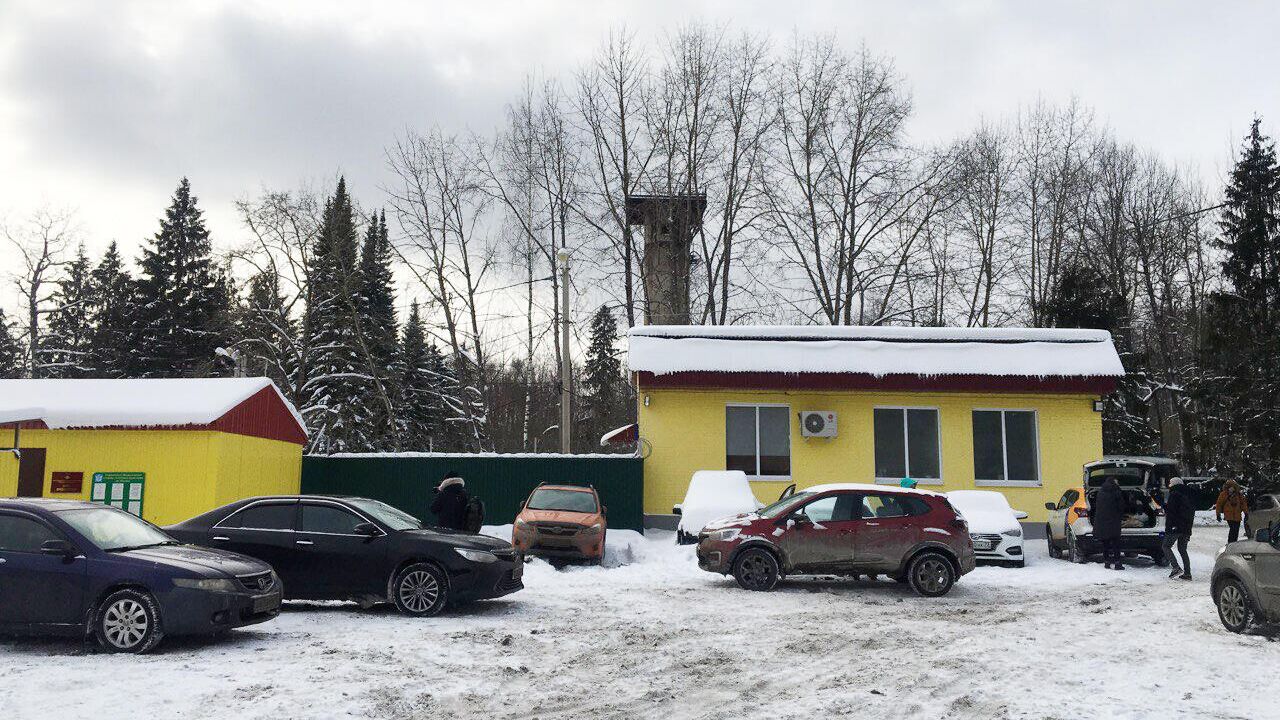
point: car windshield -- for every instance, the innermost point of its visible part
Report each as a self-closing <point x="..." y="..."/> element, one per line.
<point x="115" y="530"/>
<point x="580" y="501"/>
<point x="387" y="515"/>
<point x="778" y="508"/>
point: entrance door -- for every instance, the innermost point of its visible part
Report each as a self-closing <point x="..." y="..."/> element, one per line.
<point x="31" y="473"/>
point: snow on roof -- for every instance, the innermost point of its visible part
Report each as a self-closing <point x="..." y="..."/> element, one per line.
<point x="867" y="487"/>
<point x="131" y="403"/>
<point x="877" y="351"/>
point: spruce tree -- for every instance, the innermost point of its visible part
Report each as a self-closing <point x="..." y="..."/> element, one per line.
<point x="337" y="384"/>
<point x="182" y="298"/>
<point x="1251" y="224"/>
<point x="266" y="334"/>
<point x="113" y="306"/>
<point x="66" y="341"/>
<point x="377" y="326"/>
<point x="602" y="382"/>
<point x="10" y="351"/>
<point x="419" y="407"/>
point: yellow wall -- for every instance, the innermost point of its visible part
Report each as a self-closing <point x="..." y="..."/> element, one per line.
<point x="685" y="431"/>
<point x="187" y="472"/>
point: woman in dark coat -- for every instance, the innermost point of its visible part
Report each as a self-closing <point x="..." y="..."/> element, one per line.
<point x="1107" y="515"/>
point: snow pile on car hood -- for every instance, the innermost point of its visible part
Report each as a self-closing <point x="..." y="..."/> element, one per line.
<point x="715" y="494"/>
<point x="985" y="511"/>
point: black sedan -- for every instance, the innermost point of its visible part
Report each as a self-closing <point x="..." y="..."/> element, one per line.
<point x="348" y="548"/>
<point x="70" y="567"/>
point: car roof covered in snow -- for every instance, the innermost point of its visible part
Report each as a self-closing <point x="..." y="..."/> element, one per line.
<point x="876" y="351"/>
<point x="867" y="487"/>
<point x="132" y="403"/>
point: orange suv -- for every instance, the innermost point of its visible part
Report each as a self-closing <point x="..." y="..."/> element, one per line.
<point x="561" y="523"/>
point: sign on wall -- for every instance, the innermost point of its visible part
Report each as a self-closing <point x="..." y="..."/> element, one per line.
<point x="119" y="489"/>
<point x="67" y="482"/>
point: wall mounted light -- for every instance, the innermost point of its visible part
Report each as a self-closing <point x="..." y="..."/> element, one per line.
<point x="1098" y="405"/>
<point x="646" y="400"/>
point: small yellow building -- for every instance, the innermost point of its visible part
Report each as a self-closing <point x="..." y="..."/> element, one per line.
<point x="1008" y="409"/>
<point x="164" y="449"/>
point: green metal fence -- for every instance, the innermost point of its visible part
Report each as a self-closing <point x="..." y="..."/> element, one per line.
<point x="503" y="482"/>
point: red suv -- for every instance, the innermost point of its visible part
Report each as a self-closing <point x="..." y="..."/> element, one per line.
<point x="913" y="536"/>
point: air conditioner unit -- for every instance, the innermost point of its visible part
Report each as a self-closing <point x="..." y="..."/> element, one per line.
<point x="818" y="423"/>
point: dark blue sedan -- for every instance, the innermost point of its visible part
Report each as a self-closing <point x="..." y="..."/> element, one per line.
<point x="71" y="568"/>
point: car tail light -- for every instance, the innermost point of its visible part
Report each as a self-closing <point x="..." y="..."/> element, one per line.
<point x="958" y="521"/>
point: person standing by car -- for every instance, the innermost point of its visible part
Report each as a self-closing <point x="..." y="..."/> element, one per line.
<point x="1107" y="516"/>
<point x="1179" y="515"/>
<point x="1231" y="505"/>
<point x="450" y="503"/>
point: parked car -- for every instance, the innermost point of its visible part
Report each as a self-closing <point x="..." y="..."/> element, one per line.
<point x="1143" y="481"/>
<point x="1264" y="511"/>
<point x="993" y="525"/>
<point x="562" y="522"/>
<point x="713" y="494"/>
<point x="349" y="548"/>
<point x="1245" y="584"/>
<point x="69" y="568"/>
<point x="914" y="536"/>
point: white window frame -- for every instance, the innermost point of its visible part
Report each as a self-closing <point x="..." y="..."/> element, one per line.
<point x="1004" y="445"/>
<point x="756" y="407"/>
<point x="906" y="445"/>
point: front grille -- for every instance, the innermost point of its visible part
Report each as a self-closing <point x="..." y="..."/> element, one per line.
<point x="258" y="582"/>
<point x="509" y="582"/>
<point x="985" y="541"/>
<point x="560" y="529"/>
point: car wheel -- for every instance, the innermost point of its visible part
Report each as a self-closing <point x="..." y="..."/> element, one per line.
<point x="128" y="621"/>
<point x="756" y="569"/>
<point x="931" y="574"/>
<point x="420" y="590"/>
<point x="1235" y="609"/>
<point x="1054" y="551"/>
<point x="1075" y="553"/>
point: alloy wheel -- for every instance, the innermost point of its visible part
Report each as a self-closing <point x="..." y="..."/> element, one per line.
<point x="1231" y="606"/>
<point x="419" y="590"/>
<point x="125" y="623"/>
<point x="755" y="571"/>
<point x="932" y="574"/>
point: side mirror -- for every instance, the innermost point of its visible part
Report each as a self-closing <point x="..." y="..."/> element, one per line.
<point x="58" y="547"/>
<point x="800" y="518"/>
<point x="367" y="529"/>
<point x="1050" y="506"/>
<point x="675" y="510"/>
<point x="1019" y="515"/>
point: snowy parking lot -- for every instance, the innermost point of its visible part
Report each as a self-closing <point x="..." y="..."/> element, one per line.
<point x="657" y="637"/>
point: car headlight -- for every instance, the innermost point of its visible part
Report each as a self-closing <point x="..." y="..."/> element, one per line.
<point x="593" y="529"/>
<point x="223" y="586"/>
<point x="1015" y="532"/>
<point x="522" y="524"/>
<point x="726" y="535"/>
<point x="477" y="555"/>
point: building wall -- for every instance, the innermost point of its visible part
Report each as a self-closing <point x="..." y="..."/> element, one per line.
<point x="187" y="471"/>
<point x="685" y="431"/>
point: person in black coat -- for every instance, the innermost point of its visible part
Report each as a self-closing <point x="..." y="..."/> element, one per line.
<point x="450" y="503"/>
<point x="1107" y="515"/>
<point x="1179" y="516"/>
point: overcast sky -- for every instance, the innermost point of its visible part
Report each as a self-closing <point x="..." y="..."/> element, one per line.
<point x="104" y="105"/>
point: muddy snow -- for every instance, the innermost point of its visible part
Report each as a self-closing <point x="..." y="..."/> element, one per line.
<point x="659" y="638"/>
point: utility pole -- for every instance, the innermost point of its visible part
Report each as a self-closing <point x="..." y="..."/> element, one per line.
<point x="566" y="366"/>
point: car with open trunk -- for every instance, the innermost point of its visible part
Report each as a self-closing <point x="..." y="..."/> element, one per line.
<point x="1143" y="482"/>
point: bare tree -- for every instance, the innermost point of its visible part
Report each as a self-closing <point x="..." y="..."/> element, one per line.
<point x="41" y="241"/>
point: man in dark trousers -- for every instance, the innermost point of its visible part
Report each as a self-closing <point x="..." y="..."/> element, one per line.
<point x="1179" y="516"/>
<point x="1107" y="515"/>
<point x="450" y="503"/>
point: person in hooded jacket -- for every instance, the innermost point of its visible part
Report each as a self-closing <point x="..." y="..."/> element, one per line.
<point x="1179" y="516"/>
<point x="1232" y="505"/>
<point x="1107" y="516"/>
<point x="450" y="503"/>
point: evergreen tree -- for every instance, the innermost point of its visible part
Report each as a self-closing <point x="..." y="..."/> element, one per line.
<point x="183" y="300"/>
<point x="1251" y="225"/>
<point x="66" y="341"/>
<point x="10" y="351"/>
<point x="266" y="334"/>
<point x="606" y="397"/>
<point x="420" y="410"/>
<point x="337" y="385"/>
<point x="377" y="326"/>
<point x="112" y="309"/>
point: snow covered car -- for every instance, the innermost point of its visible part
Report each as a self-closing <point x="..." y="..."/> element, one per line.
<point x="1142" y="480"/>
<point x="713" y="494"/>
<point x="1246" y="581"/>
<point x="913" y="536"/>
<point x="993" y="525"/>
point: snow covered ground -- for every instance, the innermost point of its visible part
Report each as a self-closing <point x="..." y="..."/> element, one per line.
<point x="659" y="638"/>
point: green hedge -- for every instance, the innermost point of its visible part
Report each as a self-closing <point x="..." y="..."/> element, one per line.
<point x="503" y="482"/>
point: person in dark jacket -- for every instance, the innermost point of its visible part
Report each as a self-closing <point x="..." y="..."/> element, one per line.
<point x="1179" y="515"/>
<point x="1106" y="515"/>
<point x="450" y="503"/>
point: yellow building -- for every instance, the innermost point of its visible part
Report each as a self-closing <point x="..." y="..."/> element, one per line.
<point x="164" y="449"/>
<point x="1008" y="409"/>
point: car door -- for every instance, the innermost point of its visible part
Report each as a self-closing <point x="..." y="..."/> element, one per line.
<point x="1266" y="564"/>
<point x="887" y="530"/>
<point x="37" y="589"/>
<point x="820" y="535"/>
<point x="264" y="530"/>
<point x="336" y="560"/>
<point x="1058" y="517"/>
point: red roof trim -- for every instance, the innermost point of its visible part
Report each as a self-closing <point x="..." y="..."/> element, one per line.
<point x="885" y="383"/>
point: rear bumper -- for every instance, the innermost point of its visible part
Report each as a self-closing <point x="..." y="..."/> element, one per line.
<point x="1147" y="543"/>
<point x="185" y="611"/>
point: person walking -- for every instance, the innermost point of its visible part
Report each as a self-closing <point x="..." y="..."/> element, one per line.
<point x="450" y="503"/>
<point x="1107" y="515"/>
<point x="1231" y="505"/>
<point x="1179" y="516"/>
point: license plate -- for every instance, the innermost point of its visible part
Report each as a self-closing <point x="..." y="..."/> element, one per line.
<point x="265" y="603"/>
<point x="982" y="545"/>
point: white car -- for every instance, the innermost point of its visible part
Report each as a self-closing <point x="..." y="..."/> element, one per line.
<point x="712" y="495"/>
<point x="993" y="525"/>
